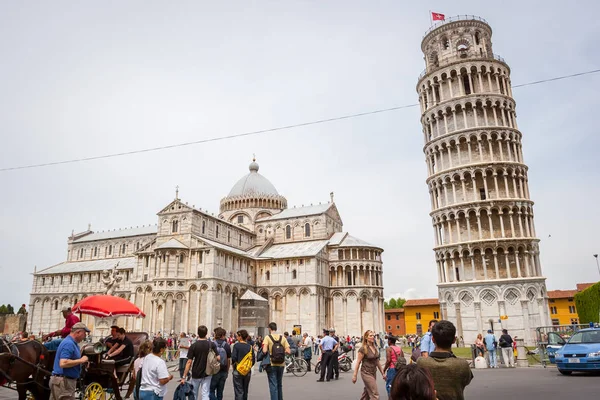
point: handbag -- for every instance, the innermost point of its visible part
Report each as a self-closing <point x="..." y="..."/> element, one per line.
<point x="266" y="360"/>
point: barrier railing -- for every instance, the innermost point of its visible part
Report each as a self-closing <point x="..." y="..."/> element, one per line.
<point x="454" y="19"/>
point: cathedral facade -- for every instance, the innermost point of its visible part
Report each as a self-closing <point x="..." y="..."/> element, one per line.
<point x="191" y="267"/>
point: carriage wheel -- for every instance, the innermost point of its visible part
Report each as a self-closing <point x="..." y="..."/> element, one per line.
<point x="94" y="391"/>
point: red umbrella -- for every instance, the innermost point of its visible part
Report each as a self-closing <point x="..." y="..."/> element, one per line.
<point x="107" y="306"/>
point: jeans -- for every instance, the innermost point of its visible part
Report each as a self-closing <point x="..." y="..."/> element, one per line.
<point x="275" y="376"/>
<point x="201" y="386"/>
<point x="480" y="351"/>
<point x="390" y="374"/>
<point x="508" y="357"/>
<point x="217" y="384"/>
<point x="149" y="395"/>
<point x="241" y="384"/>
<point x="492" y="357"/>
<point x="182" y="362"/>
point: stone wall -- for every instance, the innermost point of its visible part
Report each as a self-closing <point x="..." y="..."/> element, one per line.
<point x="12" y="323"/>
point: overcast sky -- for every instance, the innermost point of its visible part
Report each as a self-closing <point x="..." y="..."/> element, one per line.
<point x="91" y="78"/>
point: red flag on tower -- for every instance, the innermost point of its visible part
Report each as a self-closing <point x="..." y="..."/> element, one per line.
<point x="438" y="17"/>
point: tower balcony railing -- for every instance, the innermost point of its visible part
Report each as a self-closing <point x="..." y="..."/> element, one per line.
<point x="454" y="19"/>
<point x="452" y="59"/>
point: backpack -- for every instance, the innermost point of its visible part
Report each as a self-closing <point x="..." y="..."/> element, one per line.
<point x="400" y="359"/>
<point x="277" y="351"/>
<point x="138" y="384"/>
<point x="213" y="365"/>
<point x="245" y="365"/>
<point x="222" y="353"/>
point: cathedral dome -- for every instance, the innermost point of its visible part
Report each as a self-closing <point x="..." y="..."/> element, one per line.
<point x="253" y="184"/>
<point x="253" y="191"/>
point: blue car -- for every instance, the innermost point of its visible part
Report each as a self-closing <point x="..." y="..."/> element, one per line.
<point x="581" y="353"/>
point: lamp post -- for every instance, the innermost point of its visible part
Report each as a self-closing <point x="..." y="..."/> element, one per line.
<point x="597" y="264"/>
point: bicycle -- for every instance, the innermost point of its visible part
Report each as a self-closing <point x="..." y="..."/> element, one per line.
<point x="296" y="365"/>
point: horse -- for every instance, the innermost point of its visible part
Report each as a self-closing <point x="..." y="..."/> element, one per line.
<point x="28" y="365"/>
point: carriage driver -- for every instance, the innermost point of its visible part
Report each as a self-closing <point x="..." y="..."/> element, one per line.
<point x="67" y="364"/>
<point x="70" y="320"/>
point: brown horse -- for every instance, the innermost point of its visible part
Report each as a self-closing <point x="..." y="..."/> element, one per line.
<point x="26" y="364"/>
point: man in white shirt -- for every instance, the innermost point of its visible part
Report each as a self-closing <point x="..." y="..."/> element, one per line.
<point x="184" y="345"/>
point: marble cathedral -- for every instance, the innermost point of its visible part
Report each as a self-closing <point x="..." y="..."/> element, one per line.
<point x="192" y="267"/>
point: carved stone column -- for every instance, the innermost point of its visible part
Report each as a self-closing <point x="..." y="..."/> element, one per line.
<point x="477" y="306"/>
<point x="459" y="327"/>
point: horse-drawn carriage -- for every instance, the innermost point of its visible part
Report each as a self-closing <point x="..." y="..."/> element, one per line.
<point x="27" y="366"/>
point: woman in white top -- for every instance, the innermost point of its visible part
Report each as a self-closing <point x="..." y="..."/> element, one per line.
<point x="154" y="373"/>
<point x="145" y="349"/>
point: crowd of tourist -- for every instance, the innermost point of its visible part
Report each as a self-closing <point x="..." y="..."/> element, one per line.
<point x="205" y="360"/>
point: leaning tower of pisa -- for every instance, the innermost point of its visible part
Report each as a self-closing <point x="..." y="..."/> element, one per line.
<point x="486" y="250"/>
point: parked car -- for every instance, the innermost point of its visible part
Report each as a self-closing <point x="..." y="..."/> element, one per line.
<point x="580" y="353"/>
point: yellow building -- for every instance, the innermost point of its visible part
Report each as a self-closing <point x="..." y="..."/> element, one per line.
<point x="418" y="313"/>
<point x="562" y="305"/>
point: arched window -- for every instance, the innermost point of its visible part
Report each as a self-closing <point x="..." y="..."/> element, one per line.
<point x="268" y="275"/>
<point x="445" y="42"/>
<point x="233" y="300"/>
<point x="307" y="230"/>
<point x="56" y="304"/>
<point x="175" y="226"/>
<point x="95" y="251"/>
<point x="110" y="250"/>
<point x="229" y="236"/>
<point x="181" y="258"/>
<point x="217" y="231"/>
<point x="203" y="226"/>
<point x="288" y="232"/>
<point x="476" y="37"/>
<point x="240" y="240"/>
<point x="294" y="274"/>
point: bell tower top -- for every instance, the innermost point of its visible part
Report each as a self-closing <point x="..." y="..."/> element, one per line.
<point x="456" y="39"/>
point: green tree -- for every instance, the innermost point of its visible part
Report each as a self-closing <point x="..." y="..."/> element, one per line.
<point x="10" y="309"/>
<point x="3" y="309"/>
<point x="400" y="302"/>
<point x="392" y="303"/>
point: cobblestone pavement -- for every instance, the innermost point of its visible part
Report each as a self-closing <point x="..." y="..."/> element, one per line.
<point x="499" y="384"/>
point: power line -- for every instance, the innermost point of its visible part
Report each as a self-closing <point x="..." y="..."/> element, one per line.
<point x="262" y="131"/>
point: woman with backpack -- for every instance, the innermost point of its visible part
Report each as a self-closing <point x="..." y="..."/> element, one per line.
<point x="394" y="358"/>
<point x="242" y="359"/>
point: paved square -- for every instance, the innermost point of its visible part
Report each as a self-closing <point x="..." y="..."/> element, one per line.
<point x="500" y="384"/>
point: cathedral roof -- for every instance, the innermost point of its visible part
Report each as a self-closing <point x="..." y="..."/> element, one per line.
<point x="253" y="184"/>
<point x="172" y="244"/>
<point x="89" y="266"/>
<point x="223" y="247"/>
<point x="299" y="212"/>
<point x="138" y="231"/>
<point x="343" y="239"/>
<point x="292" y="250"/>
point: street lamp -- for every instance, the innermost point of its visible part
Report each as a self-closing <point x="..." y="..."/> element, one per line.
<point x="597" y="264"/>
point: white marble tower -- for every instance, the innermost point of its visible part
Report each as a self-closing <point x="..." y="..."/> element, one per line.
<point x="486" y="249"/>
